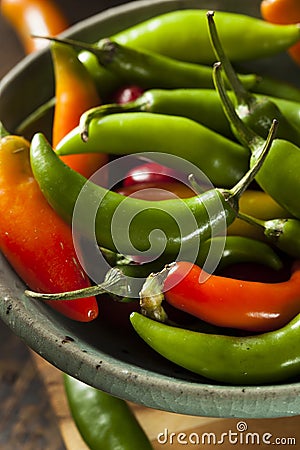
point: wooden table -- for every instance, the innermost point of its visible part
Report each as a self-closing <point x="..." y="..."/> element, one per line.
<point x="34" y="413"/>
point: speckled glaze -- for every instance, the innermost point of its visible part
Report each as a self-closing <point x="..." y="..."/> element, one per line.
<point x="106" y="353"/>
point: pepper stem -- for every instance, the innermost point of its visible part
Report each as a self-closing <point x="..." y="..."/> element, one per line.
<point x="244" y="182"/>
<point x="114" y="279"/>
<point x="241" y="94"/>
<point x="104" y="110"/>
<point x="3" y="131"/>
<point x="244" y="134"/>
<point x="151" y="295"/>
<point x="251" y="220"/>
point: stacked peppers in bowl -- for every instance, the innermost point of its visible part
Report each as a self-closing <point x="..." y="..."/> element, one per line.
<point x="219" y="191"/>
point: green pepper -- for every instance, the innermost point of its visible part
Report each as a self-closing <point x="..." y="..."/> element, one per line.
<point x="284" y="233"/>
<point x="222" y="160"/>
<point x="127" y="278"/>
<point x="105" y="422"/>
<point x="127" y="225"/>
<point x="183" y="35"/>
<point x="201" y="105"/>
<point x="150" y="70"/>
<point x="240" y="249"/>
<point x="279" y="174"/>
<point x="256" y="112"/>
<point x="264" y="358"/>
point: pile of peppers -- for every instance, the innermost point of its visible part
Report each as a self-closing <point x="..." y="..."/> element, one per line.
<point x="136" y="92"/>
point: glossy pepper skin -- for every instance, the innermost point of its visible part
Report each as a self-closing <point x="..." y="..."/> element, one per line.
<point x="279" y="176"/>
<point x="150" y="70"/>
<point x="189" y="29"/>
<point x="209" y="211"/>
<point x="284" y="233"/>
<point x="104" y="422"/>
<point x="34" y="17"/>
<point x="256" y="112"/>
<point x="283" y="12"/>
<point x="33" y="238"/>
<point x="226" y="302"/>
<point x="227" y="359"/>
<point x="75" y="92"/>
<point x="128" y="133"/>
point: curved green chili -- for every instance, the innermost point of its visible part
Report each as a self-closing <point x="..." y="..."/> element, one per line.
<point x="284" y="233"/>
<point x="105" y="422"/>
<point x="223" y="161"/>
<point x="279" y="174"/>
<point x="201" y="105"/>
<point x="183" y="35"/>
<point x="256" y="112"/>
<point x="227" y="359"/>
<point x="182" y="222"/>
<point x="150" y="70"/>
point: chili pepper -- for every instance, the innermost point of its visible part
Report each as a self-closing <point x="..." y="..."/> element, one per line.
<point x="159" y="33"/>
<point x="259" y="204"/>
<point x="240" y="249"/>
<point x="284" y="233"/>
<point x="279" y="174"/>
<point x="104" y="421"/>
<point x="128" y="133"/>
<point x="226" y="302"/>
<point x="125" y="279"/>
<point x="200" y="105"/>
<point x="283" y="12"/>
<point x="264" y="358"/>
<point x="127" y="94"/>
<point x="209" y="212"/>
<point x="257" y="113"/>
<point x="29" y="17"/>
<point x="157" y="191"/>
<point x="75" y="92"/>
<point x="150" y="70"/>
<point x="151" y="172"/>
<point x="36" y="242"/>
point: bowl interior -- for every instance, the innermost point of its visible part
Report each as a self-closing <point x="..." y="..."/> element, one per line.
<point x="107" y="353"/>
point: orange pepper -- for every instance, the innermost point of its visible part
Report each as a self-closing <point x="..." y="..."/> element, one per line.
<point x="283" y="12"/>
<point x="75" y="92"/>
<point x="34" y="17"/>
<point x="34" y="239"/>
<point x="227" y="302"/>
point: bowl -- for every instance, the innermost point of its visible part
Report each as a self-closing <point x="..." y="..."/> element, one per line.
<point x="106" y="353"/>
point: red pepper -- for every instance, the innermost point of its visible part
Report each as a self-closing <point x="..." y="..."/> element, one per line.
<point x="157" y="191"/>
<point x="227" y="302"/>
<point x="34" y="17"/>
<point x="283" y="12"/>
<point x="75" y="92"/>
<point x="37" y="243"/>
<point x="127" y="94"/>
<point x="151" y="173"/>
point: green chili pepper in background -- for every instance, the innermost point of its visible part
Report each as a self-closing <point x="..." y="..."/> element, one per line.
<point x="284" y="233"/>
<point x="279" y="176"/>
<point x="256" y="112"/>
<point x="181" y="221"/>
<point x="264" y="358"/>
<point x="127" y="278"/>
<point x="201" y="105"/>
<point x="222" y="160"/>
<point x="104" y="421"/>
<point x="150" y="70"/>
<point x="240" y="249"/>
<point x="183" y="35"/>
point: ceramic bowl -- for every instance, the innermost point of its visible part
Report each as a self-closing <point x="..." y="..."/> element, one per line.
<point x="106" y="353"/>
